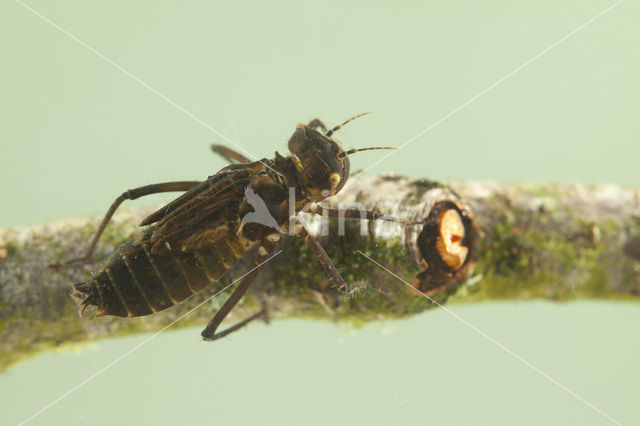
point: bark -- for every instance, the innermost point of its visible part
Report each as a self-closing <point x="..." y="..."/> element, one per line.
<point x="502" y="241"/>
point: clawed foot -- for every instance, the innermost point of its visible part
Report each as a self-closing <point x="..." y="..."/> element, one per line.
<point x="317" y="124"/>
<point x="77" y="261"/>
<point x="265" y="313"/>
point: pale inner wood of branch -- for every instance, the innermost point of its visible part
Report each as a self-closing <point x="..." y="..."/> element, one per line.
<point x="449" y="242"/>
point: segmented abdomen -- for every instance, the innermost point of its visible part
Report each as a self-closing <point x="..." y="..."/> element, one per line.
<point x="138" y="282"/>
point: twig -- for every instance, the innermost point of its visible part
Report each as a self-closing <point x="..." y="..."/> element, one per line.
<point x="474" y="241"/>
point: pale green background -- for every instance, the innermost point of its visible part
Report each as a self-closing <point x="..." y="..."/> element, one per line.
<point x="76" y="132"/>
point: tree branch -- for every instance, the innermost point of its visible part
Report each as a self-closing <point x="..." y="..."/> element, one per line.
<point x="464" y="242"/>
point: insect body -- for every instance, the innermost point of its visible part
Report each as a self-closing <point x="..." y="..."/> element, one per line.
<point x="195" y="239"/>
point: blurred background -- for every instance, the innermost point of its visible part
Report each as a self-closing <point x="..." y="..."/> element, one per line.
<point x="77" y="130"/>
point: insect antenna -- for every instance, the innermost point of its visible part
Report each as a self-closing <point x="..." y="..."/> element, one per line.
<point x="339" y="126"/>
<point x="353" y="151"/>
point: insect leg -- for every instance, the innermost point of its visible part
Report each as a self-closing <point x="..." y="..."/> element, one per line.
<point x="324" y="259"/>
<point x="209" y="333"/>
<point x="229" y="154"/>
<point x="130" y="194"/>
<point x="317" y="124"/>
<point x="354" y="213"/>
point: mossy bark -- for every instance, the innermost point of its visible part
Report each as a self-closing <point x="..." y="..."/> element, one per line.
<point x="558" y="242"/>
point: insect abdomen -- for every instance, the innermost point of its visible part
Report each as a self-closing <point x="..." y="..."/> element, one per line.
<point x="138" y="283"/>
